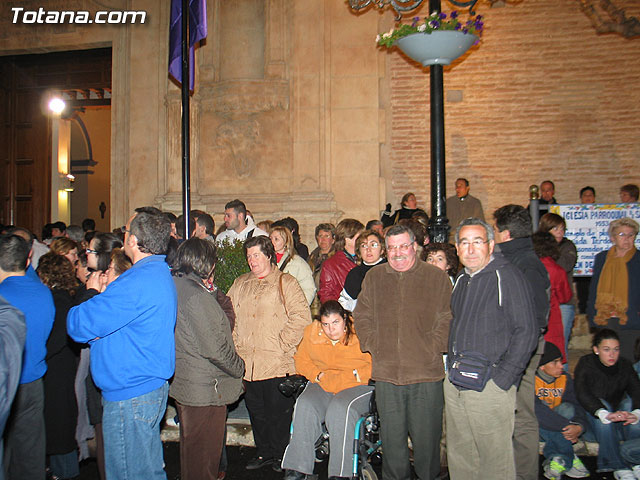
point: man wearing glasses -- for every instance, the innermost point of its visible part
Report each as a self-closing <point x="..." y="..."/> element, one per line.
<point x="402" y="319"/>
<point x="130" y="327"/>
<point x="494" y="327"/>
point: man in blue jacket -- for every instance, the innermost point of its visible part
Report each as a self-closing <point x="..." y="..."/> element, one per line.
<point x="25" y="442"/>
<point x="130" y="327"/>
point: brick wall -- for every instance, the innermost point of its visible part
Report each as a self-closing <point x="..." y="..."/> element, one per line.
<point x="543" y="96"/>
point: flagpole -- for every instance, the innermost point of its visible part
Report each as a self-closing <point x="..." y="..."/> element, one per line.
<point x="186" y="152"/>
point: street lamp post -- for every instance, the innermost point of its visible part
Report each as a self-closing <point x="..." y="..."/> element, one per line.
<point x="438" y="223"/>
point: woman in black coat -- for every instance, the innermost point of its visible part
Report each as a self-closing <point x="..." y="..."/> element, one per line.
<point x="60" y="406"/>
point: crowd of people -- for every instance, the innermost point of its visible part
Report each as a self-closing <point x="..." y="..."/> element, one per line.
<point x="468" y="339"/>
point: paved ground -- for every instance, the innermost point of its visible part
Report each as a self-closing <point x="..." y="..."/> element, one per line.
<point x="239" y="456"/>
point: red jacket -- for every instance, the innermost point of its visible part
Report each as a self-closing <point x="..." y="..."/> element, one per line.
<point x="333" y="274"/>
<point x="560" y="293"/>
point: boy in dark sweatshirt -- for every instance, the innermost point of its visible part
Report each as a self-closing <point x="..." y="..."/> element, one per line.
<point x="561" y="418"/>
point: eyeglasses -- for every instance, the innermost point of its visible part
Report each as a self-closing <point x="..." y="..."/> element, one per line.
<point x="369" y="246"/>
<point x="625" y="235"/>
<point x="403" y="247"/>
<point x="88" y="251"/>
<point x="475" y="243"/>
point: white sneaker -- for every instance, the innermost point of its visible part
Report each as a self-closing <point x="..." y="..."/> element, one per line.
<point x="636" y="471"/>
<point x="624" y="475"/>
<point x="554" y="468"/>
<point x="577" y="470"/>
<point x="171" y="422"/>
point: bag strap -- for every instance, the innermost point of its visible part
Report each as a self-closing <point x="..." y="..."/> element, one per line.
<point x="285" y="263"/>
<point x="284" y="304"/>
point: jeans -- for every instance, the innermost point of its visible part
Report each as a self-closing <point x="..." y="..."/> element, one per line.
<point x="131" y="430"/>
<point x="568" y="311"/>
<point x="555" y="444"/>
<point x="630" y="451"/>
<point x="609" y="437"/>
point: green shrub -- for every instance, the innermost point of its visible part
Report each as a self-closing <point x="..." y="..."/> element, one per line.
<point x="231" y="264"/>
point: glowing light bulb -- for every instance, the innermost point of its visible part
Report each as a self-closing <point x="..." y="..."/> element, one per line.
<point x="56" y="105"/>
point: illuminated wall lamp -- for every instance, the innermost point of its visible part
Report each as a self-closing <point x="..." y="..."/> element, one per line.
<point x="57" y="105"/>
<point x="68" y="180"/>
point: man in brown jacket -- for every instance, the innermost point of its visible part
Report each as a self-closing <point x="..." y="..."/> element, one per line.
<point x="402" y="319"/>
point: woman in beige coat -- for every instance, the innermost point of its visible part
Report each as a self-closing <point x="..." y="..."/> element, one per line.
<point x="271" y="314"/>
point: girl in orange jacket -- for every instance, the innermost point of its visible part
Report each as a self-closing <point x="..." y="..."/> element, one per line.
<point x="337" y="394"/>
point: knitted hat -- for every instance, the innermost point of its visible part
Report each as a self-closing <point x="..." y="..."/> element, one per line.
<point x="551" y="353"/>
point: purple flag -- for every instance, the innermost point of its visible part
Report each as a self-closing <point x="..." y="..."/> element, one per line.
<point x="197" y="32"/>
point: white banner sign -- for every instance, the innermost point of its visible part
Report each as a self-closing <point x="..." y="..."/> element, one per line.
<point x="588" y="229"/>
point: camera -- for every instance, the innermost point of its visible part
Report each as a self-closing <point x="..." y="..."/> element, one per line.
<point x="292" y="385"/>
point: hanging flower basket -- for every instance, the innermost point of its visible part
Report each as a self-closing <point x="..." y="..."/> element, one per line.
<point x="439" y="47"/>
<point x="436" y="39"/>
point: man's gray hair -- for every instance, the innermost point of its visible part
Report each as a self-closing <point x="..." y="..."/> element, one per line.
<point x="474" y="221"/>
<point x="399" y="230"/>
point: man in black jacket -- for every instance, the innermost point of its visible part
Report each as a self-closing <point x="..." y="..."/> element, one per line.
<point x="493" y="321"/>
<point x="513" y="231"/>
<point x="13" y="331"/>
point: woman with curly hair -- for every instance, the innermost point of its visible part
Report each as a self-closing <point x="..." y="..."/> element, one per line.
<point x="60" y="408"/>
<point x="444" y="256"/>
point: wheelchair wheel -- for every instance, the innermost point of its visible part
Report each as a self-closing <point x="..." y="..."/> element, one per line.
<point x="368" y="473"/>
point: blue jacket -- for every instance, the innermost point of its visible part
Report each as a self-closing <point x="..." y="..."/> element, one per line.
<point x="34" y="300"/>
<point x="130" y="328"/>
<point x="633" y="312"/>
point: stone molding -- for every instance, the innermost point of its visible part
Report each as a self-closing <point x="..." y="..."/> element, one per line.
<point x="246" y="96"/>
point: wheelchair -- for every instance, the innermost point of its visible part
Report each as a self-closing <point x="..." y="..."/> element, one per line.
<point x="367" y="447"/>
